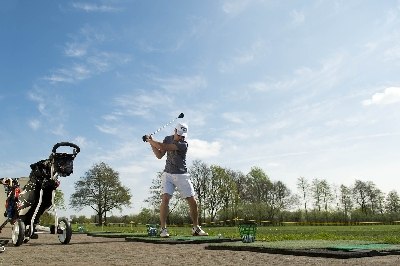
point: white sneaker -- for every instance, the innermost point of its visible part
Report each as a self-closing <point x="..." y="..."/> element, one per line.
<point x="197" y="231"/>
<point x="164" y="232"/>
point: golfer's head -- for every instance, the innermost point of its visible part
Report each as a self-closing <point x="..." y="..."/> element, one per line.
<point x="181" y="130"/>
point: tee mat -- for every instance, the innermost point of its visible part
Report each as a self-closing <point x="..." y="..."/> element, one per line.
<point x="180" y="239"/>
<point x="168" y="240"/>
<point x="343" y="249"/>
<point x="339" y="249"/>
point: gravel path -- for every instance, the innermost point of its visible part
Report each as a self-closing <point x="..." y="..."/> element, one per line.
<point x="87" y="250"/>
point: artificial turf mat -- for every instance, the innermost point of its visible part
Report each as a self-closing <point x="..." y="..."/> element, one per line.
<point x="116" y="234"/>
<point x="143" y="237"/>
<point x="180" y="239"/>
<point x="340" y="249"/>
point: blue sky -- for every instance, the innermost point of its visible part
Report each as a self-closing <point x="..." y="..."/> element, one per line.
<point x="297" y="88"/>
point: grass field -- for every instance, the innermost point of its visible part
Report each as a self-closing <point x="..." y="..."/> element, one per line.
<point x="377" y="233"/>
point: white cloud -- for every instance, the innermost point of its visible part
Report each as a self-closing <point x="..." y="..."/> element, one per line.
<point x="107" y="129"/>
<point x="244" y="57"/>
<point x="88" y="7"/>
<point x="298" y="17"/>
<point x="89" y="60"/>
<point x="56" y="78"/>
<point x="142" y="102"/>
<point x="179" y="84"/>
<point x="89" y="66"/>
<point x="34" y="124"/>
<point x="238" y="117"/>
<point x="231" y="117"/>
<point x="41" y="103"/>
<point x="392" y="53"/>
<point x="80" y="141"/>
<point x="258" y="86"/>
<point x="59" y="130"/>
<point x="200" y="149"/>
<point x="389" y="96"/>
<point x="234" y="7"/>
<point x="75" y="49"/>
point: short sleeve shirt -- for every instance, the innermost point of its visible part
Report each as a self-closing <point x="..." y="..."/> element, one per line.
<point x="176" y="160"/>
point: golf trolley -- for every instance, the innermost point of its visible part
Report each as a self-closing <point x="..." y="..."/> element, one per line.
<point x="24" y="207"/>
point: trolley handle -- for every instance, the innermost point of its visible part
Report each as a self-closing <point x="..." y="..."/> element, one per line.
<point x="68" y="144"/>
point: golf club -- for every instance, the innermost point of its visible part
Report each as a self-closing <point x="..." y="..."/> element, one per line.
<point x="181" y="115"/>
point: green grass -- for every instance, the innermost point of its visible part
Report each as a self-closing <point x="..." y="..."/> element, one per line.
<point x="378" y="233"/>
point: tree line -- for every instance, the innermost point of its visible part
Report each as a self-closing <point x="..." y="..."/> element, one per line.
<point x="225" y="194"/>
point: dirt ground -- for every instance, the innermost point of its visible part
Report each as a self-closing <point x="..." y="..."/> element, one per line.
<point x="87" y="250"/>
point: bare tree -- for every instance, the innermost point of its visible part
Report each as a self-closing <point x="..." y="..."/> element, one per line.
<point x="346" y="200"/>
<point x="317" y="193"/>
<point x="303" y="186"/>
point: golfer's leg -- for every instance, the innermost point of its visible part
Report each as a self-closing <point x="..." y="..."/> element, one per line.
<point x="193" y="210"/>
<point x="164" y="209"/>
<point x="167" y="188"/>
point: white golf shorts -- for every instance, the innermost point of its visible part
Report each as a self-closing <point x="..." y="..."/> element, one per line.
<point x="180" y="182"/>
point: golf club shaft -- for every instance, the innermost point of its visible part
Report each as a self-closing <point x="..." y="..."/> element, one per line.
<point x="180" y="116"/>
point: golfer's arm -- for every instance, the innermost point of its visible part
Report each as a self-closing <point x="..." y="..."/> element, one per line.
<point x="158" y="153"/>
<point x="163" y="146"/>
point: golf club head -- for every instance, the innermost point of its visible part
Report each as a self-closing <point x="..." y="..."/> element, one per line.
<point x="181" y="115"/>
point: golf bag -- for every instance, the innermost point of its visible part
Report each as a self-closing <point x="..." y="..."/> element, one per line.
<point x="32" y="203"/>
<point x="24" y="207"/>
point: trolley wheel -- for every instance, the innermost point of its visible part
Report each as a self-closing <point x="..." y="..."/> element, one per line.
<point x="18" y="232"/>
<point x="64" y="231"/>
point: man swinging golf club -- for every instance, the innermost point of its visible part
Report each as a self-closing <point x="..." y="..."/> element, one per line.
<point x="175" y="176"/>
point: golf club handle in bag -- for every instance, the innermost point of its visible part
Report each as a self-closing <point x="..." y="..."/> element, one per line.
<point x="69" y="144"/>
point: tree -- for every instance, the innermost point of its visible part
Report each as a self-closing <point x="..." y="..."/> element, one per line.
<point x="238" y="179"/>
<point x="155" y="197"/>
<point x="346" y="200"/>
<point x="303" y="186"/>
<point x="317" y="193"/>
<point x="281" y="199"/>
<point x="258" y="192"/>
<point x="360" y="195"/>
<point x="201" y="175"/>
<point x="155" y="193"/>
<point x="392" y="202"/>
<point x="48" y="217"/>
<point x="59" y="199"/>
<point x="214" y="201"/>
<point x="327" y="195"/>
<point x="101" y="190"/>
<point x="368" y="197"/>
<point x="228" y="193"/>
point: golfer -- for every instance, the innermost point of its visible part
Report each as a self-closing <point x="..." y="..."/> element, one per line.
<point x="175" y="176"/>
